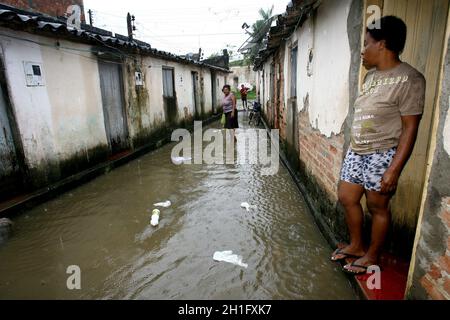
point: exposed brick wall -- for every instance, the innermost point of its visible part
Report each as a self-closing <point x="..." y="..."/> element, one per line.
<point x="437" y="281"/>
<point x="322" y="156"/>
<point x="55" y="8"/>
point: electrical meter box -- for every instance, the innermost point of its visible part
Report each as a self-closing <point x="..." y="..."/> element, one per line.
<point x="33" y="74"/>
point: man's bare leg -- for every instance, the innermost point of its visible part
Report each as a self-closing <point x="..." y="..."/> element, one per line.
<point x="378" y="205"/>
<point x="350" y="197"/>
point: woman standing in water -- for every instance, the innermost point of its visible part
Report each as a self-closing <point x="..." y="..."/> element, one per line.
<point x="229" y="109"/>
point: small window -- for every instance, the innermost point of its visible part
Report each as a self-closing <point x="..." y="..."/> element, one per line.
<point x="168" y="83"/>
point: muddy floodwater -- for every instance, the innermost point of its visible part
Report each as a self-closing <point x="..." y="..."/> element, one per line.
<point x="104" y="228"/>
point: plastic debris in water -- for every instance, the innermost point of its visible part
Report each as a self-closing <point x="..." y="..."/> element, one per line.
<point x="155" y="217"/>
<point x="5" y="228"/>
<point x="180" y="160"/>
<point x="246" y="206"/>
<point x="5" y="222"/>
<point x="228" y="256"/>
<point x="165" y="204"/>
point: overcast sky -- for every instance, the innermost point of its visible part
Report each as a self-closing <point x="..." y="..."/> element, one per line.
<point x="180" y="26"/>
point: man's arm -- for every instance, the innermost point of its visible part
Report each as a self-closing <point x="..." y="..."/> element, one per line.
<point x="410" y="128"/>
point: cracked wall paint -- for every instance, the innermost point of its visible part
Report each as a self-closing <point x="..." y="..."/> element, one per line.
<point x="328" y="86"/>
<point x="446" y="132"/>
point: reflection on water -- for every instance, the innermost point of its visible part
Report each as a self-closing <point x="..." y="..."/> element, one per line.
<point x="104" y="228"/>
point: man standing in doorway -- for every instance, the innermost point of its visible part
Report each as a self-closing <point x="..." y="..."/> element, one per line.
<point x="387" y="116"/>
<point x="244" y="92"/>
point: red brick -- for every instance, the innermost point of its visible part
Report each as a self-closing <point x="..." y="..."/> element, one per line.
<point x="447" y="201"/>
<point x="431" y="289"/>
<point x="445" y="216"/>
<point x="447" y="285"/>
<point x="444" y="263"/>
<point x="427" y="284"/>
<point x="50" y="7"/>
<point x="435" y="294"/>
<point x="435" y="272"/>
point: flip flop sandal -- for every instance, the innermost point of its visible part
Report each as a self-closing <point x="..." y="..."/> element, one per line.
<point x="345" y="255"/>
<point x="355" y="273"/>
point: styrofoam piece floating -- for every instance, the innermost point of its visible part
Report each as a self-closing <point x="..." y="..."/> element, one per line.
<point x="164" y="204"/>
<point x="228" y="256"/>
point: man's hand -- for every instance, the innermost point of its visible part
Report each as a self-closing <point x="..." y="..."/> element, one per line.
<point x="389" y="181"/>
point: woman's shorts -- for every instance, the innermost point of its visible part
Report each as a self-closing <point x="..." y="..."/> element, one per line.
<point x="367" y="170"/>
<point x="231" y="123"/>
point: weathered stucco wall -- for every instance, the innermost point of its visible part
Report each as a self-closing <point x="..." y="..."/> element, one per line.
<point x="206" y="74"/>
<point x="431" y="273"/>
<point x="446" y="132"/>
<point x="65" y="115"/>
<point x="61" y="124"/>
<point x="245" y="74"/>
<point x="328" y="86"/>
<point x="267" y="99"/>
<point x="326" y="90"/>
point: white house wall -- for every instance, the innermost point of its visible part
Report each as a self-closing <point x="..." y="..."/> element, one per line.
<point x="330" y="95"/>
<point x="207" y="90"/>
<point x="267" y="82"/>
<point x="328" y="87"/>
<point x="64" y="116"/>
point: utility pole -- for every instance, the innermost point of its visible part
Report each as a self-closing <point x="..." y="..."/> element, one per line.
<point x="130" y="25"/>
<point x="91" y="18"/>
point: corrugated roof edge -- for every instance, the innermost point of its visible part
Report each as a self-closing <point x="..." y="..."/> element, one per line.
<point x="296" y="10"/>
<point x="16" y="19"/>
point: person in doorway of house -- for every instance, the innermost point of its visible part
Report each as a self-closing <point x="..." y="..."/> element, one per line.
<point x="387" y="114"/>
<point x="230" y="110"/>
<point x="244" y="92"/>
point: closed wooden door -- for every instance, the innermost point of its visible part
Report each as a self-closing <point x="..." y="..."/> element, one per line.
<point x="10" y="175"/>
<point x="426" y="21"/>
<point x="113" y="105"/>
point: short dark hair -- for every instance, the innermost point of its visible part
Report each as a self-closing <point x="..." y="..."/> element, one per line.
<point x="226" y="86"/>
<point x="392" y="30"/>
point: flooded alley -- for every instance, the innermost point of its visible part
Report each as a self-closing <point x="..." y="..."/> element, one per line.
<point x="104" y="228"/>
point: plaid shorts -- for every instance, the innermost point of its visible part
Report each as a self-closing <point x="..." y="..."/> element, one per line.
<point x="367" y="170"/>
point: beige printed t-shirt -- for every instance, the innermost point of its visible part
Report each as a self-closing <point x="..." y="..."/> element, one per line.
<point x="384" y="98"/>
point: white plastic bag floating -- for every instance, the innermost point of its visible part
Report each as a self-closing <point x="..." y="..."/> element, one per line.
<point x="155" y="217"/>
<point x="228" y="256"/>
<point x="247" y="206"/>
<point x="165" y="204"/>
<point x="180" y="160"/>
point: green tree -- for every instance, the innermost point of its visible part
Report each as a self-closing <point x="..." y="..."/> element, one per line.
<point x="259" y="31"/>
